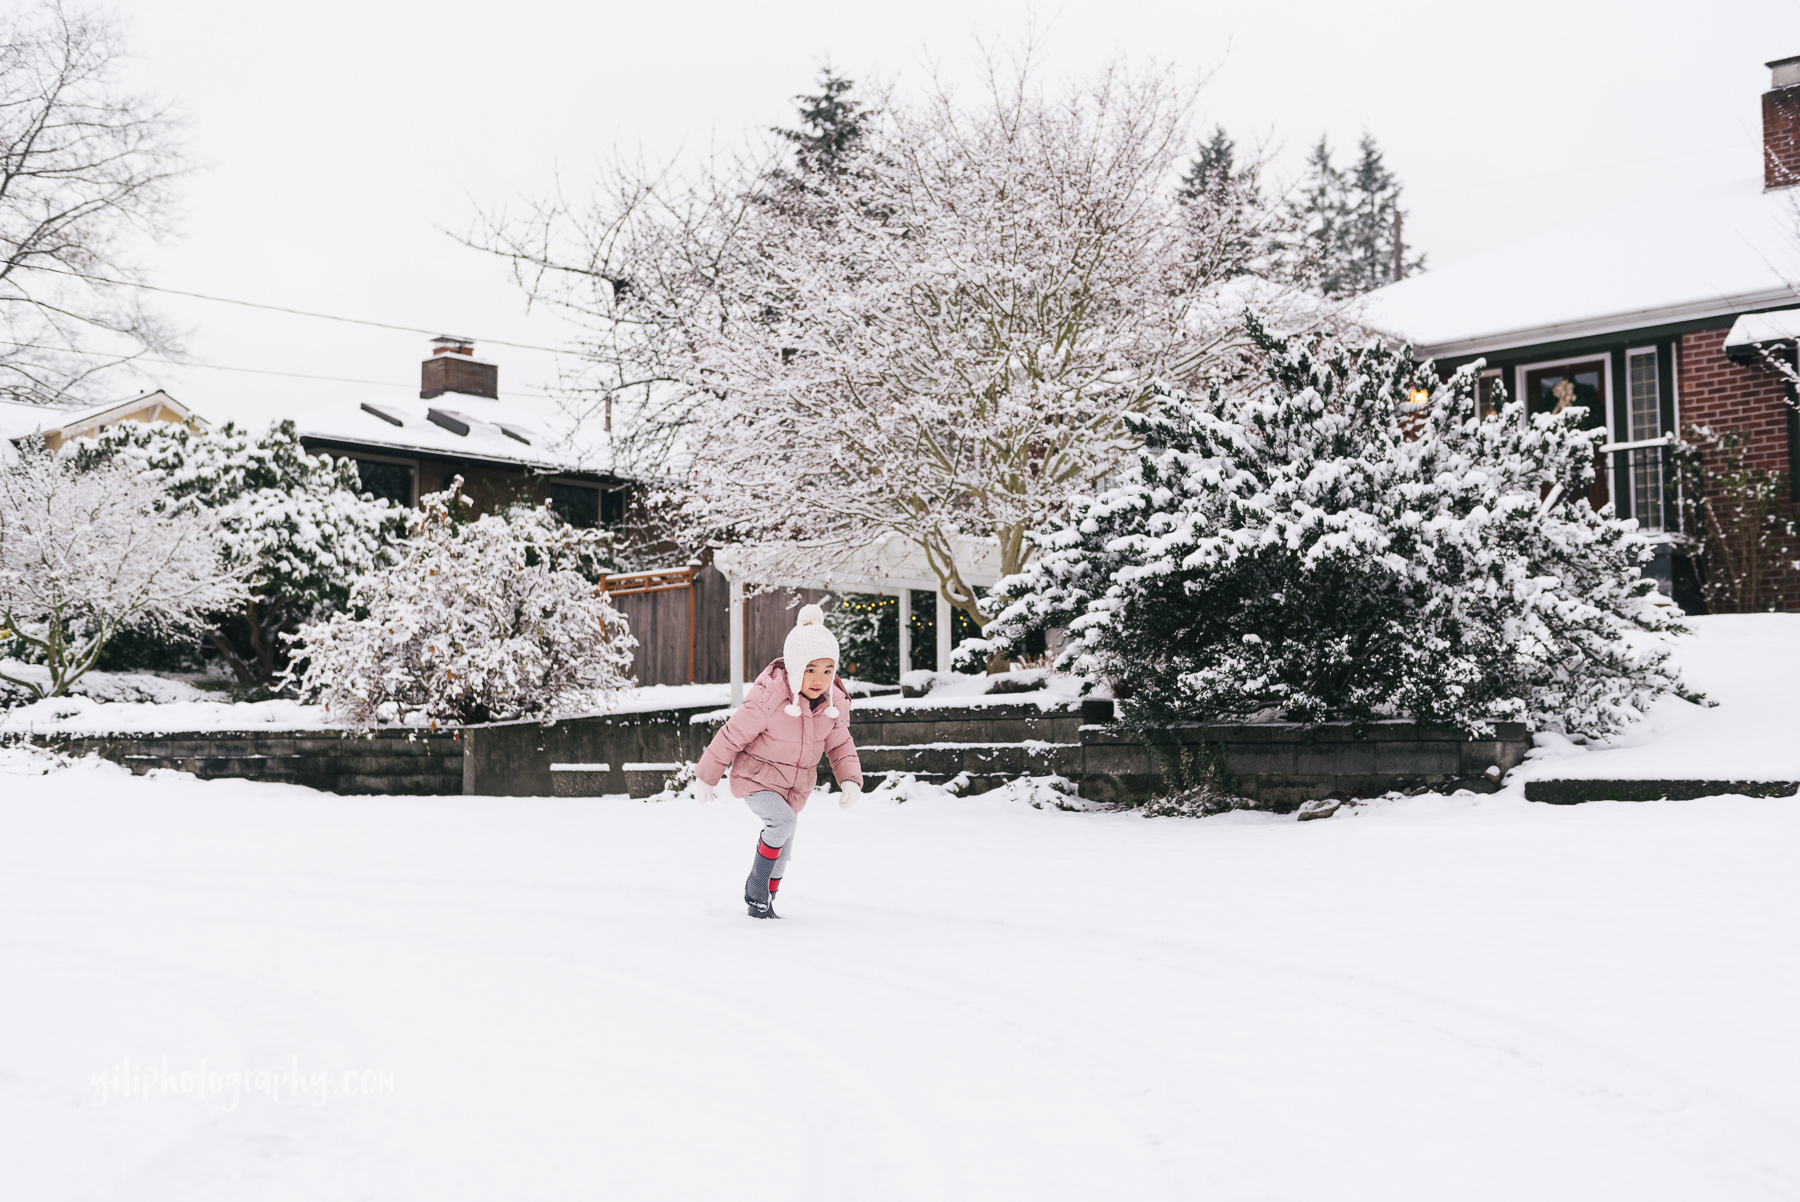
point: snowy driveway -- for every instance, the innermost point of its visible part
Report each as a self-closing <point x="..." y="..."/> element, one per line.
<point x="538" y="999"/>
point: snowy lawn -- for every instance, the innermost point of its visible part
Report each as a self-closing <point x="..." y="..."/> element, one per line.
<point x="1469" y="998"/>
<point x="1748" y="665"/>
<point x="141" y="703"/>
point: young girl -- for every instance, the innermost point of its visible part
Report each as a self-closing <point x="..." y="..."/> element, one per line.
<point x="797" y="711"/>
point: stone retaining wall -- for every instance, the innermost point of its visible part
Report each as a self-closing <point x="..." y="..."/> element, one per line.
<point x="985" y="746"/>
<point x="514" y="759"/>
<point x="387" y="762"/>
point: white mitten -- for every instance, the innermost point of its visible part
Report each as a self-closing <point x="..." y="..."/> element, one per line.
<point x="703" y="791"/>
<point x="852" y="794"/>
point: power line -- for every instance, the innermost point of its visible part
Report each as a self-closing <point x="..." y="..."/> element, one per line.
<point x="355" y="321"/>
<point x="259" y="371"/>
<point x="292" y="375"/>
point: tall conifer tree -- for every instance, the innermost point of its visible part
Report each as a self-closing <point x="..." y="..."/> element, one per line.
<point x="1354" y="220"/>
<point x="833" y="124"/>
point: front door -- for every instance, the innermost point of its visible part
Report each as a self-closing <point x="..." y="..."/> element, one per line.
<point x="1553" y="389"/>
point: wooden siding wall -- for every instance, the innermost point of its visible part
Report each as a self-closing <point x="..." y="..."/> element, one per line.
<point x="767" y="620"/>
<point x="659" y="622"/>
<point x="712" y="626"/>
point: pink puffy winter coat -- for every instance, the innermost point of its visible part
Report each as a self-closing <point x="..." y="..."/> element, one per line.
<point x="767" y="748"/>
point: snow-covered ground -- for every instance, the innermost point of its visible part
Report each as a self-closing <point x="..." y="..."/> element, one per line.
<point x="1748" y="665"/>
<point x="223" y="990"/>
<point x="143" y="702"/>
<point x="131" y="702"/>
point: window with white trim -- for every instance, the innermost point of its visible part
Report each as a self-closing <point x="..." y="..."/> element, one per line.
<point x="1645" y="464"/>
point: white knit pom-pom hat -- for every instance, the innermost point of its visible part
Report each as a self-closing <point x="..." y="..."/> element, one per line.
<point x="807" y="641"/>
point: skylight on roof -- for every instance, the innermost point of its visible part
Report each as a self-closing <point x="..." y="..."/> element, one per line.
<point x="451" y="421"/>
<point x="386" y="414"/>
<point x="520" y="433"/>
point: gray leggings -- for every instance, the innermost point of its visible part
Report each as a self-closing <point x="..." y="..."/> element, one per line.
<point x="779" y="820"/>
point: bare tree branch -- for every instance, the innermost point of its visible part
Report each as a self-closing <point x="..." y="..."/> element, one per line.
<point x="85" y="170"/>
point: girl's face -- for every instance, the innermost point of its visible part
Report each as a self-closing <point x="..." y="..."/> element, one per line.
<point x="817" y="678"/>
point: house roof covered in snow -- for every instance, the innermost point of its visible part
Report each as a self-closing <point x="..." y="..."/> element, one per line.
<point x="886" y="563"/>
<point x="1754" y="329"/>
<point x="20" y="420"/>
<point x="1714" y="252"/>
<point x="454" y="425"/>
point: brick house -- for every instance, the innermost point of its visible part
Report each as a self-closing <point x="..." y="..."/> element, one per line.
<point x="1658" y="317"/>
<point x="459" y="426"/>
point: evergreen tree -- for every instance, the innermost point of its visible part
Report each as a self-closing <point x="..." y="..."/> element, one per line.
<point x="834" y="125"/>
<point x="1222" y="199"/>
<point x="1326" y="548"/>
<point x="1354" y="221"/>
<point x="1211" y="173"/>
<point x="1320" y="207"/>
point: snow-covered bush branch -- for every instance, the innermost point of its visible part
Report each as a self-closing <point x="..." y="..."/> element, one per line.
<point x="487" y="620"/>
<point x="1349" y="541"/>
<point x="85" y="554"/>
<point x="299" y="523"/>
<point x="1740" y="518"/>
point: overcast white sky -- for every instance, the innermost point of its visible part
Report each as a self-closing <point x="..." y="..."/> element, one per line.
<point x="341" y="138"/>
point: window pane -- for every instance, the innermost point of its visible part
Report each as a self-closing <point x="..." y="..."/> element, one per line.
<point x="1646" y="398"/>
<point x="1647" y="483"/>
<point x="1553" y="389"/>
<point x="387" y="481"/>
<point x="1487" y="394"/>
<point x="578" y="506"/>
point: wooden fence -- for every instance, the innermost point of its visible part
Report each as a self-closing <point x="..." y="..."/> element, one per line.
<point x="681" y="619"/>
<point x="661" y="610"/>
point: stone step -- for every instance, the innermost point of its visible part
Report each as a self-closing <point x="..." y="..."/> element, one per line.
<point x="1574" y="792"/>
<point x="973" y="783"/>
<point x="900" y="731"/>
<point x="949" y="759"/>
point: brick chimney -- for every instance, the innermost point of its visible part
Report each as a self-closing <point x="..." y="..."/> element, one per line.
<point x="453" y="367"/>
<point x="1781" y="125"/>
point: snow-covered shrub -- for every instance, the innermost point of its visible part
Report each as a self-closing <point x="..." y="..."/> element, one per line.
<point x="300" y="524"/>
<point x="867" y="627"/>
<point x="86" y="554"/>
<point x="497" y="618"/>
<point x="1740" y="517"/>
<point x="1349" y="541"/>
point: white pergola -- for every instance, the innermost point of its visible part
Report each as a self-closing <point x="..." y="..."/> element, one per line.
<point x="890" y="564"/>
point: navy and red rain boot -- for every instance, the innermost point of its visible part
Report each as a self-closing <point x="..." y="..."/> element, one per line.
<point x="757" y="893"/>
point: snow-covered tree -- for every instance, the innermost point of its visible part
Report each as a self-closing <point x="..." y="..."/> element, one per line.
<point x="1350" y="541"/>
<point x="652" y="255"/>
<point x="941" y="337"/>
<point x="86" y="554"/>
<point x="658" y="251"/>
<point x="497" y="618"/>
<point x="299" y="523"/>
<point x="945" y="341"/>
<point x="1353" y="221"/>
<point x="833" y="124"/>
